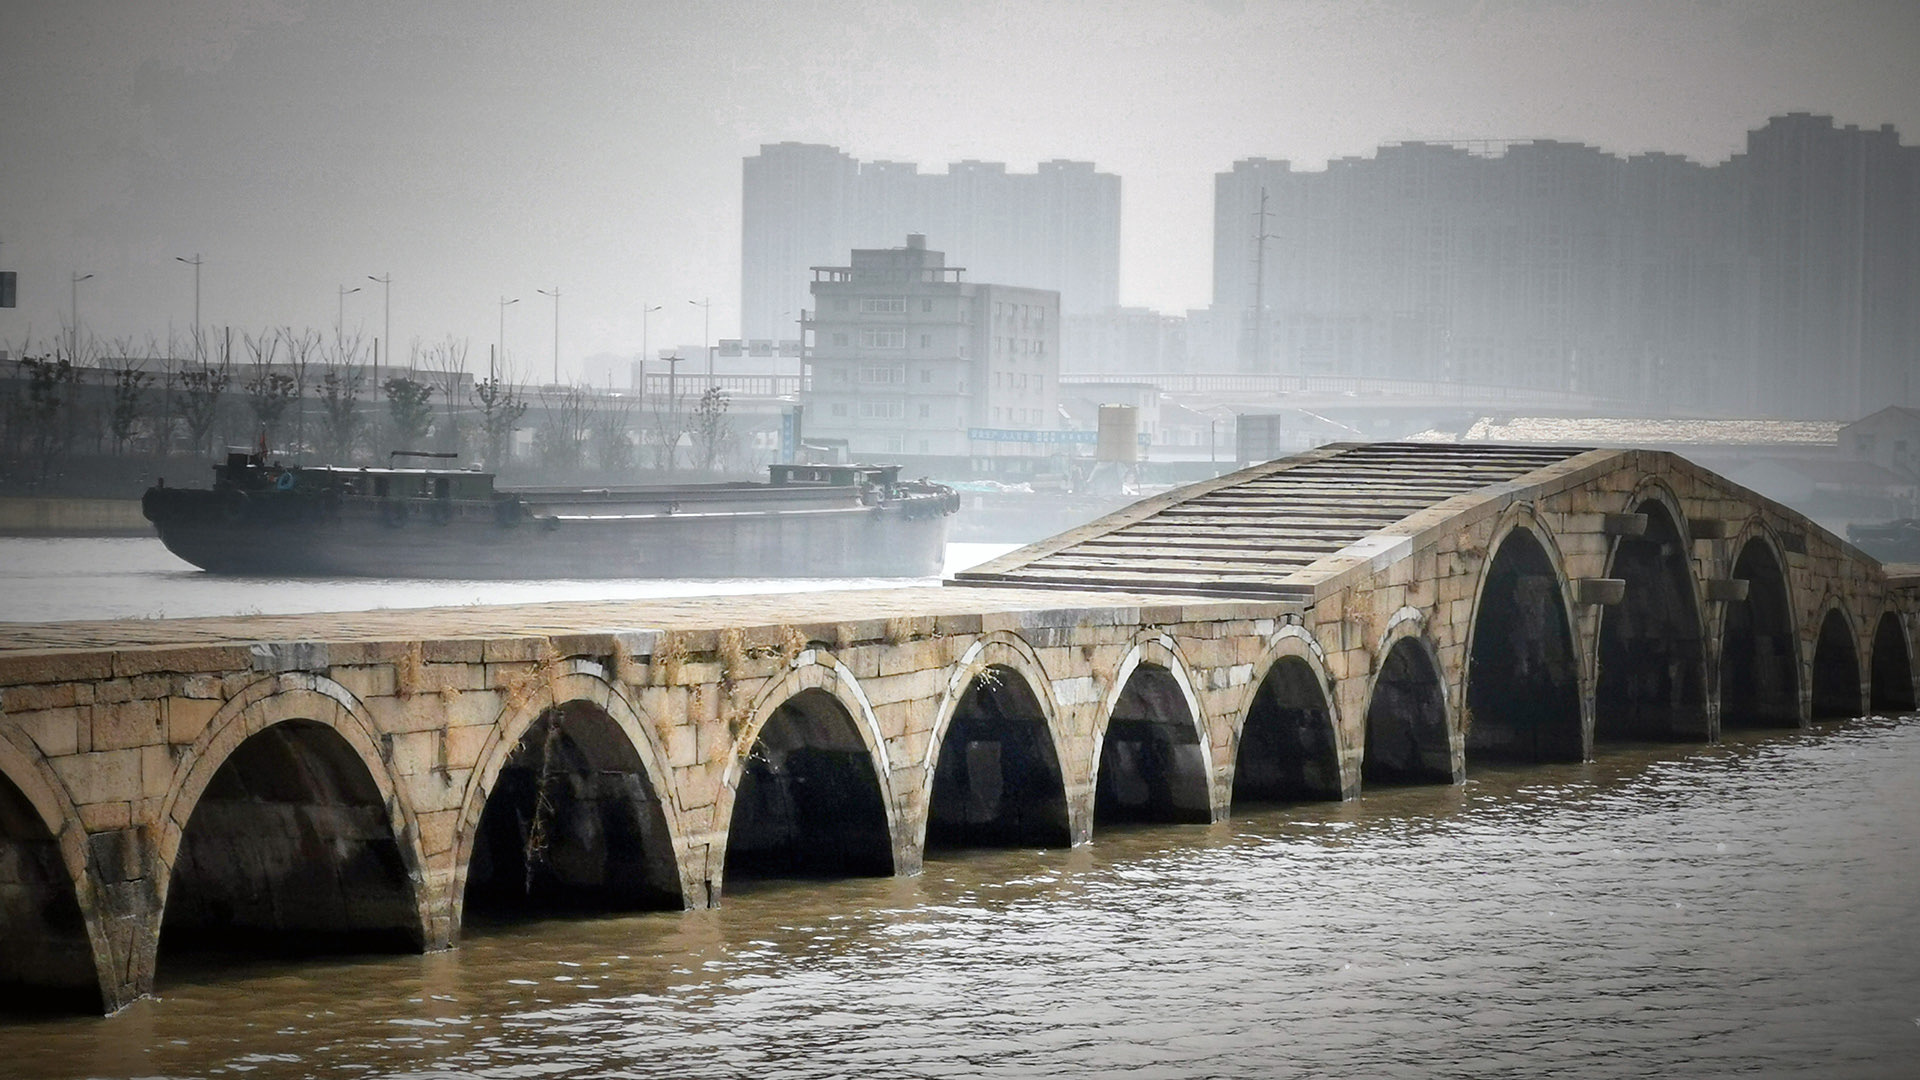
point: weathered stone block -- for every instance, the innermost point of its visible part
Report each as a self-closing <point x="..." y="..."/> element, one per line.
<point x="414" y="752"/>
<point x="156" y="771"/>
<point x="103" y="776"/>
<point x="121" y="724"/>
<point x="367" y="682"/>
<point x="19" y="668"/>
<point x="20" y="699"/>
<point x="100" y="817"/>
<point x="56" y="732"/>
<point x="463" y="745"/>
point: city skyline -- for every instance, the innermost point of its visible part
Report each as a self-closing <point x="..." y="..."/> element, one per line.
<point x="299" y="150"/>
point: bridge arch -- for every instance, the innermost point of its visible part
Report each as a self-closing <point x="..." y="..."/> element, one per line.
<point x="284" y="825"/>
<point x="1153" y="749"/>
<point x="808" y="788"/>
<point x="53" y="951"/>
<point x="1651" y="679"/>
<point x="1759" y="683"/>
<point x="1286" y="747"/>
<point x="569" y="806"/>
<point x="1891" y="677"/>
<point x="1524" y="699"/>
<point x="1411" y="736"/>
<point x="1834" y="673"/>
<point x="999" y="771"/>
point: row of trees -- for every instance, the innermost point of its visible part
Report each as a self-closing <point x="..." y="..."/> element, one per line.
<point x="320" y="401"/>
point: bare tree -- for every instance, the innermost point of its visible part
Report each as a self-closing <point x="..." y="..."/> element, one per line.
<point x="566" y="414"/>
<point x="501" y="408"/>
<point x="48" y="396"/>
<point x="269" y="392"/>
<point x="202" y="389"/>
<point x="447" y="362"/>
<point x="710" y="430"/>
<point x="662" y="439"/>
<point x="612" y="443"/>
<point x="126" y="397"/>
<point x="341" y="381"/>
<point x="301" y="349"/>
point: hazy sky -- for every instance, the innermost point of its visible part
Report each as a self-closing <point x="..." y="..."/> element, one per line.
<point x="476" y="150"/>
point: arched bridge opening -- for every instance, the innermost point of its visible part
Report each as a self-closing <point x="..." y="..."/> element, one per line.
<point x="1653" y="676"/>
<point x="1151" y="765"/>
<point x="290" y="850"/>
<point x="1523" y="684"/>
<point x="1407" y="739"/>
<point x="571" y="824"/>
<point x="809" y="802"/>
<point x="1287" y="749"/>
<point x="1836" y="670"/>
<point x="1759" y="654"/>
<point x="998" y="781"/>
<point x="46" y="960"/>
<point x="1892" y="678"/>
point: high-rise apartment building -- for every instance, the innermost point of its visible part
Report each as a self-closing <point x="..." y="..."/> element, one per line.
<point x="1056" y="228"/>
<point x="1785" y="280"/>
<point x="908" y="358"/>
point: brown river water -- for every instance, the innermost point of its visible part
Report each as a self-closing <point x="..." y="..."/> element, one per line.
<point x="1750" y="908"/>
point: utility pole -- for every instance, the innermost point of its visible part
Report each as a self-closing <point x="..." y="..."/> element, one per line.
<point x="73" y="343"/>
<point x="198" y="345"/>
<point x="706" y="333"/>
<point x="1260" y="238"/>
<point x="556" y="330"/>
<point x="386" y="307"/>
<point x="500" y="353"/>
<point x="340" y="314"/>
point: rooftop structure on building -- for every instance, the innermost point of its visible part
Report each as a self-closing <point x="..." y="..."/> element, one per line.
<point x="909" y="358"/>
<point x="804" y="205"/>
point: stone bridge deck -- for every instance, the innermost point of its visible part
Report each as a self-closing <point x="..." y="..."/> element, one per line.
<point x="1294" y="631"/>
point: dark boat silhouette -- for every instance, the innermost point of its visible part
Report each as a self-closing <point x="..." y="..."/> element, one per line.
<point x="452" y="523"/>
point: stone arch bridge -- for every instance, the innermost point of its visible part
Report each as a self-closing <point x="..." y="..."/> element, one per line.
<point x="1298" y="630"/>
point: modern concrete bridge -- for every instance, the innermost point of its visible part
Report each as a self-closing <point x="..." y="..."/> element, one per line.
<point x="1298" y="630"/>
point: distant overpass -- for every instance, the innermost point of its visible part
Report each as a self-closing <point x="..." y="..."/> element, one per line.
<point x="1324" y="389"/>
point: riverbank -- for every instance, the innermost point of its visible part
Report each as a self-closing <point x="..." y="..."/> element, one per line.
<point x="32" y="516"/>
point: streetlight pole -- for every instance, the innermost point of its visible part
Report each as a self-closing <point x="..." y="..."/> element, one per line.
<point x="386" y="308"/>
<point x="644" y="312"/>
<point x="706" y="333"/>
<point x="556" y="330"/>
<point x="500" y="352"/>
<point x="195" y="263"/>
<point x="340" y="313"/>
<point x="73" y="344"/>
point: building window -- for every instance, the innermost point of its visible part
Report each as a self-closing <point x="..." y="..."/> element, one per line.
<point x="840" y="304"/>
<point x="926" y="411"/>
<point x="926" y="305"/>
<point x="839" y="374"/>
<point x="839" y="339"/>
<point x="839" y="408"/>
<point x="883" y="375"/>
<point x="926" y="341"/>
<point x="895" y="444"/>
<point x="883" y="305"/>
<point x="883" y="339"/>
<point x="926" y="375"/>
<point x="883" y="410"/>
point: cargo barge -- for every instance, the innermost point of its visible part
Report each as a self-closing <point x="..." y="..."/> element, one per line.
<point x="807" y="521"/>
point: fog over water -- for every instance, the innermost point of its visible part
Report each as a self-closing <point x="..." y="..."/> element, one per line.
<point x="138" y="578"/>
<point x="1740" y="909"/>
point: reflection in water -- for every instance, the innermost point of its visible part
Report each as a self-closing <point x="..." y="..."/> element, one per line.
<point x="57" y="580"/>
<point x="1745" y="908"/>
